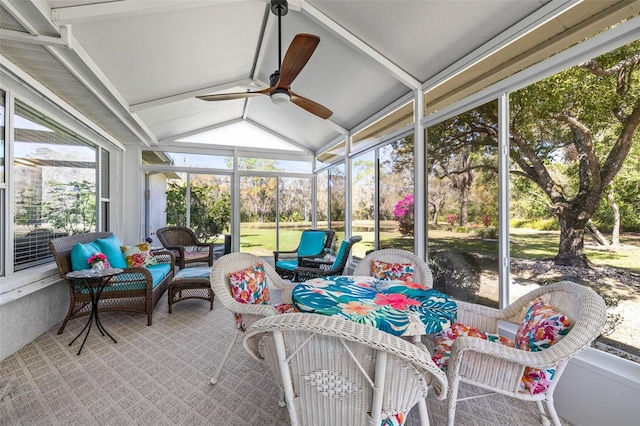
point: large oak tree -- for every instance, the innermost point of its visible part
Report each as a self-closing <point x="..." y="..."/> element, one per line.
<point x="569" y="133"/>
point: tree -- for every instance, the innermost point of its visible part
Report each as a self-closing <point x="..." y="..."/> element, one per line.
<point x="590" y="114"/>
<point x="72" y="208"/>
<point x="569" y="134"/>
<point x="210" y="208"/>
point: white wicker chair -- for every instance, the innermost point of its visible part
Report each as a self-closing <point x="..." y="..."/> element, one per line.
<point x="221" y="287"/>
<point x="499" y="368"/>
<point x="338" y="372"/>
<point x="422" y="273"/>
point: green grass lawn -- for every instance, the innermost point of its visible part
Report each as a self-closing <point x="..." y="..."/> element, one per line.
<point x="260" y="239"/>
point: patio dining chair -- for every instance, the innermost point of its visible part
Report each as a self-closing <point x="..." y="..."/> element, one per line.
<point x="339" y="372"/>
<point x="555" y="322"/>
<point x="245" y="313"/>
<point x="314" y="243"/>
<point x="398" y="263"/>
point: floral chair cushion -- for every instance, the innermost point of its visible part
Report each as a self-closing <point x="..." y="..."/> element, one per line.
<point x="392" y="271"/>
<point x="541" y="327"/>
<point x="393" y="419"/>
<point x="249" y="286"/>
<point x="139" y="255"/>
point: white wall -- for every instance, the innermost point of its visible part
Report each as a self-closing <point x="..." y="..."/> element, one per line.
<point x="131" y="230"/>
<point x="599" y="389"/>
<point x="25" y="317"/>
<point x="157" y="204"/>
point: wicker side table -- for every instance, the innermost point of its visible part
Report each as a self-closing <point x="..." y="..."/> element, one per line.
<point x="191" y="283"/>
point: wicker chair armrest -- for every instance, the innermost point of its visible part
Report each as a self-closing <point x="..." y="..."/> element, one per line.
<point x="313" y="262"/>
<point x="303" y="273"/>
<point x="473" y="356"/>
<point x="251" y="309"/>
<point x="284" y="255"/>
<point x="483" y="317"/>
<point x="166" y="256"/>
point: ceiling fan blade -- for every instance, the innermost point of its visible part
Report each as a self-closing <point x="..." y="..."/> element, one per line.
<point x="232" y="96"/>
<point x="311" y="106"/>
<point x="297" y="56"/>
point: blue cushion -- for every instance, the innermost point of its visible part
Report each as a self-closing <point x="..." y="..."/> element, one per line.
<point x="110" y="246"/>
<point x="287" y="265"/>
<point x="311" y="243"/>
<point x="197" y="272"/>
<point x="158" y="272"/>
<point x="341" y="253"/>
<point x="80" y="254"/>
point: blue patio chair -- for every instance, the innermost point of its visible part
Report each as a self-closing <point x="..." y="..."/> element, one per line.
<point x="316" y="268"/>
<point x="313" y="243"/>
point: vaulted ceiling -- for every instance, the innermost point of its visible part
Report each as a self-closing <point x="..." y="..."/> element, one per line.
<point x="134" y="67"/>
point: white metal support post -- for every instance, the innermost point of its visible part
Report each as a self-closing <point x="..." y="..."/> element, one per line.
<point x="503" y="201"/>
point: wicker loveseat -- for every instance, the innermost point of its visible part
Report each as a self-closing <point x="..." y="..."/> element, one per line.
<point x="132" y="291"/>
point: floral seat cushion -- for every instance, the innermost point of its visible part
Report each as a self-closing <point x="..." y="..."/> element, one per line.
<point x="540" y="328"/>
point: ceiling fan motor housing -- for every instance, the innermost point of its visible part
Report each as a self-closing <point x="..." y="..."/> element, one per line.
<point x="279" y="7"/>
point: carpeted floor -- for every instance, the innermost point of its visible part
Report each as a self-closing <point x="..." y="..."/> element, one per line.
<point x="159" y="375"/>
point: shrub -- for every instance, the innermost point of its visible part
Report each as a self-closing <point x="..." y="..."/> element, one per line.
<point x="403" y="212"/>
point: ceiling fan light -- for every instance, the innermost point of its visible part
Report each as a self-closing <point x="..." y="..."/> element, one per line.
<point x="280" y="98"/>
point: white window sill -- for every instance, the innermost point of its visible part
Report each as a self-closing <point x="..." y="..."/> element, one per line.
<point x="28" y="281"/>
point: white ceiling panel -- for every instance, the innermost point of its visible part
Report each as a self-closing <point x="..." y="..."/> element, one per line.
<point x="179" y="118"/>
<point x="134" y="67"/>
<point x="162" y="54"/>
<point x="424" y="37"/>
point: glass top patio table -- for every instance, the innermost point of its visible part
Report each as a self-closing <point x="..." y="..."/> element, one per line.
<point x="400" y="308"/>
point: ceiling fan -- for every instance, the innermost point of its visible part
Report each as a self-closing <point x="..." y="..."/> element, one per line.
<point x="297" y="56"/>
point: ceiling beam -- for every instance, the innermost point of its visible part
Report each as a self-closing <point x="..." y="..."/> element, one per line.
<point x="35" y="39"/>
<point x="121" y="9"/>
<point x="245" y="82"/>
<point x="17" y="15"/>
<point x="341" y="32"/>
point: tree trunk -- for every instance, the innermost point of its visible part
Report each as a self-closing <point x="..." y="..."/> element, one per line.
<point x="596" y="234"/>
<point x="615" y="237"/>
<point x="436" y="211"/>
<point x="571" y="247"/>
<point x="465" y="191"/>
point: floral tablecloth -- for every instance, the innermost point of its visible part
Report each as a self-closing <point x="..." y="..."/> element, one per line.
<point x="398" y="307"/>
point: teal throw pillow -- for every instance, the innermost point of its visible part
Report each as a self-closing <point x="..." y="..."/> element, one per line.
<point x="80" y="254"/>
<point x="110" y="246"/>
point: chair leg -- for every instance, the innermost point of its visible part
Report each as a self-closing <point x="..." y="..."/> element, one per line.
<point x="551" y="410"/>
<point x="424" y="413"/>
<point x="452" y="399"/>
<point x="216" y="374"/>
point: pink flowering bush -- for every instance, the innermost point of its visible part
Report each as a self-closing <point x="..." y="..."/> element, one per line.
<point x="451" y="219"/>
<point x="403" y="212"/>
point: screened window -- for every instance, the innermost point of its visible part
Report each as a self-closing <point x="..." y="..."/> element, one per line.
<point x="54" y="175"/>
